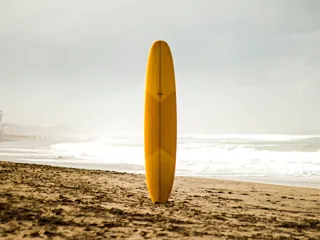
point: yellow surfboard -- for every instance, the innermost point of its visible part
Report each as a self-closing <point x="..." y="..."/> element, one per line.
<point x="160" y="122"/>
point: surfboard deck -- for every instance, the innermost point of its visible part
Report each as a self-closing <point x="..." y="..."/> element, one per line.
<point x="160" y="122"/>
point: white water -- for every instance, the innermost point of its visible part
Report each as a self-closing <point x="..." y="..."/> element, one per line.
<point x="282" y="159"/>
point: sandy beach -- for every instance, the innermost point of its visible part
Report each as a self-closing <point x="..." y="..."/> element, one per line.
<point x="43" y="202"/>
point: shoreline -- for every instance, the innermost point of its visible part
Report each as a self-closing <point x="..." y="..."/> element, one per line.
<point x="41" y="201"/>
<point x="289" y="182"/>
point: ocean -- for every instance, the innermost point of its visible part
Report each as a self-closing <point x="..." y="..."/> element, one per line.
<point x="268" y="158"/>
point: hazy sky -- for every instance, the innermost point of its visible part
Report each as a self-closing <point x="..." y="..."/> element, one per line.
<point x="241" y="66"/>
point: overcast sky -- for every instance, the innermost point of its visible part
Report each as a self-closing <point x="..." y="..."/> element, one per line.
<point x="241" y="66"/>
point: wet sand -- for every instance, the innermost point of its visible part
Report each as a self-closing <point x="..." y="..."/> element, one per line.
<point x="39" y="202"/>
<point x="13" y="138"/>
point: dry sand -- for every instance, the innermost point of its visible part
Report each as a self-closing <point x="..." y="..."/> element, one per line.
<point x="62" y="203"/>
